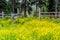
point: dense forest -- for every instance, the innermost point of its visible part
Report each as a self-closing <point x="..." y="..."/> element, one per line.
<point x="29" y="6"/>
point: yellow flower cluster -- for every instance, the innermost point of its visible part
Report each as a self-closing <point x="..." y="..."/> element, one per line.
<point x="31" y="30"/>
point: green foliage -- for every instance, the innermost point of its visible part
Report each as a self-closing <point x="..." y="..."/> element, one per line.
<point x="3" y="5"/>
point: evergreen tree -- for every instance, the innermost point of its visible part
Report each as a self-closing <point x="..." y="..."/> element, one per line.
<point x="3" y="5"/>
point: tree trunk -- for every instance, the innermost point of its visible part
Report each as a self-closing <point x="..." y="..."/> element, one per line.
<point x="56" y="8"/>
<point x="25" y="15"/>
<point x="36" y="14"/>
<point x="12" y="6"/>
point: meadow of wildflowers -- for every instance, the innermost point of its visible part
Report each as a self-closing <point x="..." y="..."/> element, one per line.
<point x="29" y="29"/>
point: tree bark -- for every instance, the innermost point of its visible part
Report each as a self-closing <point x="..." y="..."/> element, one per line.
<point x="12" y="6"/>
<point x="25" y="15"/>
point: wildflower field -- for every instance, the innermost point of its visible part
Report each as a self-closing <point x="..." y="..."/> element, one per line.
<point x="30" y="29"/>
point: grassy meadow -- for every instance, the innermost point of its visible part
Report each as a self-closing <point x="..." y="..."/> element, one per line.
<point x="30" y="29"/>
